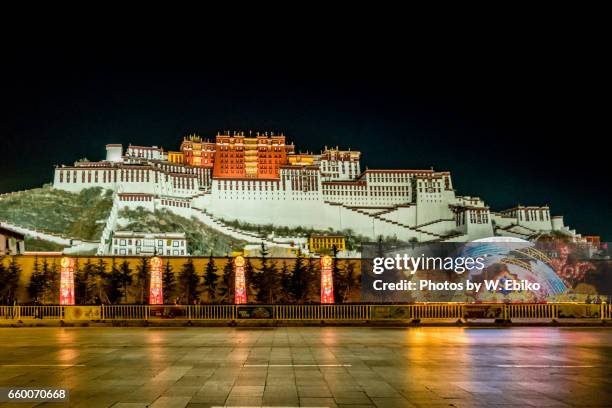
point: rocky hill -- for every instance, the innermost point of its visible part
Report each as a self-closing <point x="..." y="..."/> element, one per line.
<point x="73" y="215"/>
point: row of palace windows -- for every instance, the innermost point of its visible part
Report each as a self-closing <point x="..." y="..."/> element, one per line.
<point x="366" y="193"/>
<point x="476" y="217"/>
<point x="534" y="215"/>
<point x="389" y="177"/>
<point x="140" y="242"/>
<point x="240" y="185"/>
<point x="124" y="251"/>
<point x="173" y="203"/>
<point x="135" y="197"/>
<point x="183" y="183"/>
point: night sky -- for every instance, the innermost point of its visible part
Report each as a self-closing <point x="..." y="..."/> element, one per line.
<point x="513" y="129"/>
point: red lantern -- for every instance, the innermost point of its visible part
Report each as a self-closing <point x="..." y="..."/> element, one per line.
<point x="156" y="294"/>
<point x="240" y="296"/>
<point x="327" y="280"/>
<point x="66" y="295"/>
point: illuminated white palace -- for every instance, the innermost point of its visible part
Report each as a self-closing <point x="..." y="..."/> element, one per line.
<point x="260" y="179"/>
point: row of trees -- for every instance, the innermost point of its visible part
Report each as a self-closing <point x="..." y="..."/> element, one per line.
<point x="98" y="282"/>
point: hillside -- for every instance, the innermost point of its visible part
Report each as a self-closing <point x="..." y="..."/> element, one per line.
<point x="201" y="240"/>
<point x="75" y="215"/>
<point x="33" y="244"/>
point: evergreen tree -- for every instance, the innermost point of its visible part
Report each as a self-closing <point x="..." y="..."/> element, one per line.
<point x="264" y="256"/>
<point x="249" y="274"/>
<point x="51" y="278"/>
<point x="142" y="279"/>
<point x="10" y="282"/>
<point x="3" y="281"/>
<point x="228" y="281"/>
<point x="313" y="280"/>
<point x="114" y="287"/>
<point x="54" y="281"/>
<point x="267" y="284"/>
<point x="266" y="280"/>
<point x="83" y="282"/>
<point x="77" y="281"/>
<point x="285" y="283"/>
<point x="169" y="283"/>
<point x="350" y="281"/>
<point x="210" y="279"/>
<point x="188" y="282"/>
<point x="37" y="282"/>
<point x="44" y="272"/>
<point x="380" y="250"/>
<point x="100" y="280"/>
<point x="125" y="278"/>
<point x="299" y="280"/>
<point x="336" y="276"/>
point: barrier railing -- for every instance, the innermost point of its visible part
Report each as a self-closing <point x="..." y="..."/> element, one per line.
<point x="437" y="311"/>
<point x="532" y="311"/>
<point x="356" y="312"/>
<point x="125" y="312"/>
<point x="9" y="312"/>
<point x="606" y="311"/>
<point x="211" y="312"/>
<point x="41" y="312"/>
<point x="322" y="312"/>
<point x="344" y="312"/>
<point x="298" y="312"/>
<point x="418" y="311"/>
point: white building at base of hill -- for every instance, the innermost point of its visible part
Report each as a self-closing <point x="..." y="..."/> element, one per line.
<point x="125" y="243"/>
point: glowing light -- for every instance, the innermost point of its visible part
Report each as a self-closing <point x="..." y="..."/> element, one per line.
<point x="240" y="296"/>
<point x="327" y="280"/>
<point x="156" y="295"/>
<point x="66" y="281"/>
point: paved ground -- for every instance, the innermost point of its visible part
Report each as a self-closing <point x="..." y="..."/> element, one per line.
<point x="323" y="367"/>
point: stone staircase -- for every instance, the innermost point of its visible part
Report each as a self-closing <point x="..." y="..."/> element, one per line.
<point x="430" y="236"/>
<point x="378" y="217"/>
<point x="447" y="238"/>
<point x="509" y="229"/>
<point x="111" y="224"/>
<point x="434" y="222"/>
<point x="212" y="222"/>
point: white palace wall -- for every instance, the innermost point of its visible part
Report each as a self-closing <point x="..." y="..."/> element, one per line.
<point x="407" y="204"/>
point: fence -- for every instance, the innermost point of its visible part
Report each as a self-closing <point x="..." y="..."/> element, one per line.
<point x="322" y="312"/>
<point x="433" y="311"/>
<point x="606" y="311"/>
<point x="532" y="311"/>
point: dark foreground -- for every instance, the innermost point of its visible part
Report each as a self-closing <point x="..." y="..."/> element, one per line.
<point x="312" y="366"/>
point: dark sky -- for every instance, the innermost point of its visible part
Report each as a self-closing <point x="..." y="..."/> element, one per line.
<point x="526" y="126"/>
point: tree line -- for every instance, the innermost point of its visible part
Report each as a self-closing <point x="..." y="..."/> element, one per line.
<point x="97" y="281"/>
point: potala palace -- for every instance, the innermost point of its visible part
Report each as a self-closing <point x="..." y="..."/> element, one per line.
<point x="261" y="179"/>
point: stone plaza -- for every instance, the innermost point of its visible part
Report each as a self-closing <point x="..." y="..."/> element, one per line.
<point x="312" y="366"/>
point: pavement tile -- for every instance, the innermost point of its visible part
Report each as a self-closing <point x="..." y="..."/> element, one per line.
<point x="170" y="402"/>
<point x="411" y="367"/>
<point x="317" y="402"/>
<point x="313" y="391"/>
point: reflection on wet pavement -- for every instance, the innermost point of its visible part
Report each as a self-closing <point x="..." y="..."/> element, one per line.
<point x="339" y="366"/>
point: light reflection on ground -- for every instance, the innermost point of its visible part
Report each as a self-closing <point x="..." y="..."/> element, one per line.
<point x="313" y="366"/>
